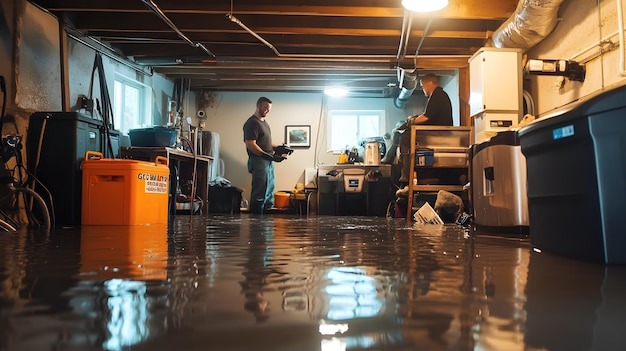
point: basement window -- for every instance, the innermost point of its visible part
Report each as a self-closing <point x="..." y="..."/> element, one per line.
<point x="131" y="104"/>
<point x="347" y="127"/>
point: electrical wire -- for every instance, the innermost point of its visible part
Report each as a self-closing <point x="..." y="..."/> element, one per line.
<point x="106" y="113"/>
<point x="3" y="87"/>
<point x="193" y="177"/>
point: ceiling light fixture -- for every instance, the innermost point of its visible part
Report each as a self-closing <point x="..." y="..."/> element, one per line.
<point x="336" y="91"/>
<point x="424" y="5"/>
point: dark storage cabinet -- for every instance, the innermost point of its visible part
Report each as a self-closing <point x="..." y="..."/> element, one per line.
<point x="56" y="144"/>
<point x="576" y="173"/>
<point x="373" y="200"/>
<point x="224" y="199"/>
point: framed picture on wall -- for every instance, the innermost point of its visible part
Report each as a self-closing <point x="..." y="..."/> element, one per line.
<point x="298" y="136"/>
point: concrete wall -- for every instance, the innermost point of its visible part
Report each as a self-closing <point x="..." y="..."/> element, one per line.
<point x="6" y="45"/>
<point x="30" y="62"/>
<point x="582" y="24"/>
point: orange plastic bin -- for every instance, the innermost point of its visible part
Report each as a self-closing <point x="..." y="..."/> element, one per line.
<point x="124" y="192"/>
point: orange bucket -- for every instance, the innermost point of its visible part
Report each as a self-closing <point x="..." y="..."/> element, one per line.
<point x="281" y="199"/>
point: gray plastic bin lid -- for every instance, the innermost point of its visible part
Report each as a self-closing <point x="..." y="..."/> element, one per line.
<point x="601" y="101"/>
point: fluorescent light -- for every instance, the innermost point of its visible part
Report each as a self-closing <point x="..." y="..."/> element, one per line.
<point x="336" y="91"/>
<point x="424" y="5"/>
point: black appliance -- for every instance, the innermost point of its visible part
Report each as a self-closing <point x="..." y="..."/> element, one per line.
<point x="56" y="144"/>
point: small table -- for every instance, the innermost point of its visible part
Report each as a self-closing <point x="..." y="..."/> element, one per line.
<point x="181" y="164"/>
<point x="301" y="202"/>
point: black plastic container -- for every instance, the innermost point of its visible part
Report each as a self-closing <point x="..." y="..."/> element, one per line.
<point x="576" y="168"/>
<point x="56" y="161"/>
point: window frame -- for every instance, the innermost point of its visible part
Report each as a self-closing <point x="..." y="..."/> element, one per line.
<point x="145" y="103"/>
<point x="359" y="113"/>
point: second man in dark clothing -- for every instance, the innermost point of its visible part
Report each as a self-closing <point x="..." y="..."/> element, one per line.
<point x="438" y="112"/>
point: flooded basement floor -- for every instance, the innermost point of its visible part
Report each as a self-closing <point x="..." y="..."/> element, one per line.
<point x="289" y="283"/>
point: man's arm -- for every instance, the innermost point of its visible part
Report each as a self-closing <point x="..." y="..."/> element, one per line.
<point x="252" y="146"/>
<point x="255" y="149"/>
<point x="420" y="119"/>
<point x="411" y="120"/>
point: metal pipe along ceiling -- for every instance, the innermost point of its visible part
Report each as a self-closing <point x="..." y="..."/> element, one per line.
<point x="531" y="22"/>
<point x="171" y="24"/>
<point x="408" y="81"/>
<point x="407" y="22"/>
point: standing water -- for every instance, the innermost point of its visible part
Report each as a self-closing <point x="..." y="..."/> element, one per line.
<point x="323" y="283"/>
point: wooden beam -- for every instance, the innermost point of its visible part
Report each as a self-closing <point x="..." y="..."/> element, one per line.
<point x="441" y="62"/>
<point x="476" y="9"/>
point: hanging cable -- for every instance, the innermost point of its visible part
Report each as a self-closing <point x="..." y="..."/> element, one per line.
<point x="107" y="107"/>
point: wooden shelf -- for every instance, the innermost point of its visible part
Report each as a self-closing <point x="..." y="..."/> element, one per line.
<point x="437" y="187"/>
<point x="440" y="166"/>
<point x="440" y="138"/>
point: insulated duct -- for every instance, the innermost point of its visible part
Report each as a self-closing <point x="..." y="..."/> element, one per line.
<point x="408" y="85"/>
<point x="407" y="81"/>
<point x="531" y="22"/>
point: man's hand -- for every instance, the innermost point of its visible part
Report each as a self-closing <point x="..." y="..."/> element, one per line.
<point x="278" y="158"/>
<point x="283" y="150"/>
<point x="273" y="157"/>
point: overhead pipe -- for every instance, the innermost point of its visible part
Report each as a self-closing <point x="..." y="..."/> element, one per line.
<point x="254" y="34"/>
<point x="419" y="46"/>
<point x="407" y="22"/>
<point x="620" y="25"/>
<point x="267" y="62"/>
<point x="408" y="81"/>
<point x="171" y="24"/>
<point x="531" y="22"/>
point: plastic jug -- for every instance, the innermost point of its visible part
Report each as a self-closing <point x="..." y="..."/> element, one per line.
<point x="372" y="154"/>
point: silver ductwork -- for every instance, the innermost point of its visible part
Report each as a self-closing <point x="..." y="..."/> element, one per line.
<point x="531" y="22"/>
<point x="408" y="83"/>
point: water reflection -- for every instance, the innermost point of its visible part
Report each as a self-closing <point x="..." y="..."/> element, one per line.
<point x="291" y="283"/>
<point x="258" y="266"/>
<point x="575" y="305"/>
<point x="498" y="276"/>
<point x="117" y="263"/>
<point x="131" y="252"/>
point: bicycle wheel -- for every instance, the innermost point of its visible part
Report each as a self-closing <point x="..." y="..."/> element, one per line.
<point x="23" y="207"/>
